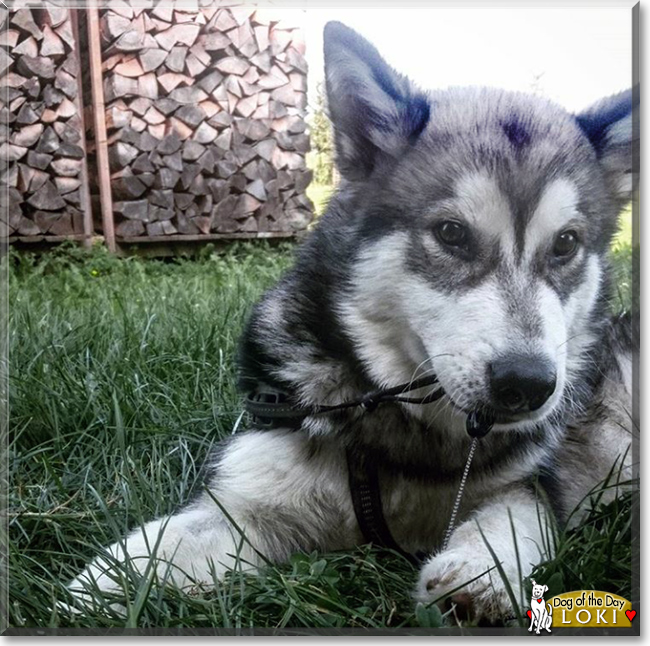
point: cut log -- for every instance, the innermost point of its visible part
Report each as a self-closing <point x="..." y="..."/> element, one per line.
<point x="67" y="149"/>
<point x="169" y="144"/>
<point x="66" y="83"/>
<point x="174" y="161"/>
<point x="172" y="80"/>
<point x="121" y="154"/>
<point x="192" y="150"/>
<point x="130" y="41"/>
<point x="152" y="59"/>
<point x="189" y="178"/>
<point x="194" y="66"/>
<point x="130" y="68"/>
<point x="232" y="65"/>
<point x="184" y="225"/>
<point x="175" y="60"/>
<point x="66" y="109"/>
<point x="66" y="34"/>
<point x="163" y="12"/>
<point x="32" y="179"/>
<point x="67" y="184"/>
<point x="66" y="167"/>
<point x="143" y="164"/>
<point x="9" y="39"/>
<point x="28" y="135"/>
<point x="133" y="210"/>
<point x="45" y="219"/>
<point x="210" y="82"/>
<point x="28" y="227"/>
<point x="216" y="42"/>
<point x="188" y="95"/>
<point x="117" y="117"/>
<point x="155" y="229"/>
<point x="38" y="160"/>
<point x="148" y="86"/>
<point x="166" y="106"/>
<point x="147" y="142"/>
<point x="117" y="85"/>
<point x="51" y="45"/>
<point x="205" y="134"/>
<point x="113" y="26"/>
<point x="152" y="116"/>
<point x="163" y="199"/>
<point x="40" y="66"/>
<point x="257" y="190"/>
<point x="140" y="106"/>
<point x="127" y="188"/>
<point x="29" y="47"/>
<point x="49" y="141"/>
<point x="167" y="178"/>
<point x="129" y="228"/>
<point x="191" y="115"/>
<point x="182" y="130"/>
<point x="23" y="20"/>
<point x="47" y="198"/>
<point x="185" y="34"/>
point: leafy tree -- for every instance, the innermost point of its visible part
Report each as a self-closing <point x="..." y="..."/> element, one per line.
<point x="322" y="142"/>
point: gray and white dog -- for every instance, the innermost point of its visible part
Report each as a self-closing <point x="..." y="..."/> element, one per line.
<point x="468" y="238"/>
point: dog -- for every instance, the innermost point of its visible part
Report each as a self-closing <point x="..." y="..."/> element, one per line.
<point x="541" y="615"/>
<point x="467" y="239"/>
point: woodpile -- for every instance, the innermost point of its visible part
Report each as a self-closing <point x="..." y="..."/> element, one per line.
<point x="42" y="156"/>
<point x="205" y="119"/>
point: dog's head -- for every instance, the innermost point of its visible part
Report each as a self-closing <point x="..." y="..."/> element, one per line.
<point x="538" y="590"/>
<point x="483" y="219"/>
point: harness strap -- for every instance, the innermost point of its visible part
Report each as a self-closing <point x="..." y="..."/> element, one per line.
<point x="272" y="409"/>
<point x="363" y="479"/>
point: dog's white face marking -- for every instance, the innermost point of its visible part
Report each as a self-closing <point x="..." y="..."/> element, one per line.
<point x="556" y="210"/>
<point x="481" y="202"/>
<point x="406" y="325"/>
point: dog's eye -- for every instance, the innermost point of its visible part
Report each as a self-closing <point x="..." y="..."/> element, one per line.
<point x="566" y="244"/>
<point x="452" y="233"/>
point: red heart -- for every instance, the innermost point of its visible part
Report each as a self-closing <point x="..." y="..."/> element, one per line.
<point x="630" y="614"/>
<point x="529" y="613"/>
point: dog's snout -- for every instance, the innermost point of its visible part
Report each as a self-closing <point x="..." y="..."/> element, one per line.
<point x="521" y="383"/>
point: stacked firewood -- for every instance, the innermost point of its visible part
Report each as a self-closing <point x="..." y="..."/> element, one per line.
<point x="41" y="146"/>
<point x="205" y="116"/>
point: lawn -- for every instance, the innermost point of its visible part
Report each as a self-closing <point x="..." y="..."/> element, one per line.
<point x="121" y="382"/>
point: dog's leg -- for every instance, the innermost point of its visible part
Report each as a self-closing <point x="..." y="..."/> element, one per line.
<point x="468" y="557"/>
<point x="281" y="491"/>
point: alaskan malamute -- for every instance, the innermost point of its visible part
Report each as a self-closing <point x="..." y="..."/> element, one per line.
<point x="467" y="240"/>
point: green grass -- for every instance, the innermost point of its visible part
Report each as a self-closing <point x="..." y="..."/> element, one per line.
<point x="121" y="382"/>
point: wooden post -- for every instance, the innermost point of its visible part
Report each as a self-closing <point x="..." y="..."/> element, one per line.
<point x="85" y="186"/>
<point x="99" y="115"/>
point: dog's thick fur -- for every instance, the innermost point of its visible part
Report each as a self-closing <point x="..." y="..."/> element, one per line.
<point x="376" y="299"/>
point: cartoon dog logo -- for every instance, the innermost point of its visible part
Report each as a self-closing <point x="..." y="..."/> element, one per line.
<point x="540" y="613"/>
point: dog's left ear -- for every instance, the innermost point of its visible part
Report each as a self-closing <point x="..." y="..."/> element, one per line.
<point x="608" y="125"/>
<point x="545" y="588"/>
<point x="376" y="112"/>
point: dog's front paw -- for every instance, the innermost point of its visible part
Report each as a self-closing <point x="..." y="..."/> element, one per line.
<point x="459" y="578"/>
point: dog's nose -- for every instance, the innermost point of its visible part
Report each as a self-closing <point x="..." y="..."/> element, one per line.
<point x="521" y="383"/>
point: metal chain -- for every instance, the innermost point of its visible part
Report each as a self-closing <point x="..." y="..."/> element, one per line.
<point x="459" y="495"/>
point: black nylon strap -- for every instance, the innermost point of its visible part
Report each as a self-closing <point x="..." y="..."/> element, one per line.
<point x="363" y="478"/>
<point x="271" y="408"/>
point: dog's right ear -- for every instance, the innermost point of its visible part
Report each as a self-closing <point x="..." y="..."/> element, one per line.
<point x="376" y="112"/>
